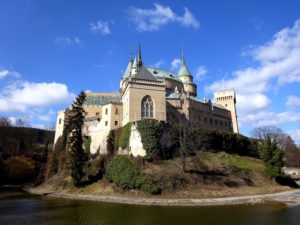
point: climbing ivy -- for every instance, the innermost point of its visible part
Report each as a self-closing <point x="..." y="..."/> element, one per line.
<point x="150" y="133"/>
<point x="124" y="136"/>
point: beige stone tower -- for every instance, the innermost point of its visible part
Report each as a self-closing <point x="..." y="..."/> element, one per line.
<point x="227" y="99"/>
<point x="187" y="79"/>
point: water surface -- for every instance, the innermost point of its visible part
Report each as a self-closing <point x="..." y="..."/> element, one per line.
<point x="18" y="207"/>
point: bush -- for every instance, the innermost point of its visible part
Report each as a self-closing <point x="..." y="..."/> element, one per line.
<point x="145" y="185"/>
<point x="19" y="169"/>
<point x="121" y="171"/>
<point x="124" y="173"/>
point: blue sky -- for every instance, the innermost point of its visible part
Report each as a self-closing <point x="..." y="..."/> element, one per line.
<point x="50" y="50"/>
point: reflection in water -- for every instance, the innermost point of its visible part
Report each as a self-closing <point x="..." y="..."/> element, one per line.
<point x="22" y="208"/>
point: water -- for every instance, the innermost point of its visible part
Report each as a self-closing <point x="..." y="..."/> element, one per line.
<point x="22" y="208"/>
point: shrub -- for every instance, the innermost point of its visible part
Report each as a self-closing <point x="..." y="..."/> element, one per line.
<point x="124" y="136"/>
<point x="146" y="185"/>
<point x="19" y="169"/>
<point x="121" y="171"/>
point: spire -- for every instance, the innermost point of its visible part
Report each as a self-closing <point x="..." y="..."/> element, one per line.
<point x="128" y="69"/>
<point x="140" y="63"/>
<point x="135" y="62"/>
<point x="182" y="55"/>
<point x="183" y="71"/>
<point x="130" y="60"/>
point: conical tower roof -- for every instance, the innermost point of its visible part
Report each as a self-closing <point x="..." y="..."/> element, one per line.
<point x="129" y="66"/>
<point x="135" y="63"/>
<point x="183" y="71"/>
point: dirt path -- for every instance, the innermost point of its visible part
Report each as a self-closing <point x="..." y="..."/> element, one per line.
<point x="288" y="197"/>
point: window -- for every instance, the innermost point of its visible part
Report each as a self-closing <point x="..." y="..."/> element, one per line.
<point x="106" y="111"/>
<point x="116" y="123"/>
<point x="117" y="111"/>
<point x="59" y="121"/>
<point x="221" y="123"/>
<point x="147" y="107"/>
<point x="106" y="123"/>
<point x="210" y="121"/>
<point x="205" y="119"/>
<point x="216" y="122"/>
<point x="86" y="113"/>
<point x="225" y="105"/>
<point x="225" y="123"/>
<point x="97" y="113"/>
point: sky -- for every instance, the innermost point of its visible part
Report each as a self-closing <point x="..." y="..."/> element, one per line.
<point x="51" y="50"/>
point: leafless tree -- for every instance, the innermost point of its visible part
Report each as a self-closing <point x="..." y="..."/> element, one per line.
<point x="291" y="152"/>
<point x="22" y="123"/>
<point x="5" y="122"/>
<point x="50" y="127"/>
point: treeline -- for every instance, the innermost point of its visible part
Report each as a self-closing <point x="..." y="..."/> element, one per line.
<point x="23" y="153"/>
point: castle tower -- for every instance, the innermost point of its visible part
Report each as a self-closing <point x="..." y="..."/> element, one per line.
<point x="227" y="99"/>
<point x="187" y="79"/>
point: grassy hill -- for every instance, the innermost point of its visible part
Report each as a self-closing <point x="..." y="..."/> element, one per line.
<point x="207" y="175"/>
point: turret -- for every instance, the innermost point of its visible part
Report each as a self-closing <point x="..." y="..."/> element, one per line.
<point x="186" y="77"/>
<point x="227" y="99"/>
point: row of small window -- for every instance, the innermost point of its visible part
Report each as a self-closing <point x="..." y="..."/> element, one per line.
<point x="116" y="123"/>
<point x="116" y="111"/>
<point x="106" y="112"/>
<point x="216" y="121"/>
<point x="224" y="98"/>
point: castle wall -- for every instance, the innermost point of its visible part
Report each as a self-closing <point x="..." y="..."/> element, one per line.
<point x="135" y="143"/>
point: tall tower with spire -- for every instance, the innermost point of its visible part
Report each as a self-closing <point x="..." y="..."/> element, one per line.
<point x="186" y="77"/>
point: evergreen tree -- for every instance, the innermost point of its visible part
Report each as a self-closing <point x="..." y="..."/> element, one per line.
<point x="76" y="117"/>
<point x="272" y="156"/>
<point x="184" y="150"/>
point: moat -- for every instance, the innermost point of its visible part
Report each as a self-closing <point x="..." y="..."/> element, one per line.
<point x="17" y="207"/>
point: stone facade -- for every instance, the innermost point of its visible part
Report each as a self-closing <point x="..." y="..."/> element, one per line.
<point x="147" y="92"/>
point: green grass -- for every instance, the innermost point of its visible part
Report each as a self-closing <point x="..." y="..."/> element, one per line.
<point x="225" y="160"/>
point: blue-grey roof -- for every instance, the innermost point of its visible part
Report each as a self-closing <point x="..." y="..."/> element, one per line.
<point x="128" y="69"/>
<point x="173" y="96"/>
<point x="200" y="100"/>
<point x="159" y="73"/>
<point x="101" y="100"/>
<point x="184" y="71"/>
<point x="144" y="74"/>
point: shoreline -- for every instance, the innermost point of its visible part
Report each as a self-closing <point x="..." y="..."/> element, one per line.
<point x="290" y="198"/>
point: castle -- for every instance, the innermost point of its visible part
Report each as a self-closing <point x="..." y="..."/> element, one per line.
<point x="148" y="92"/>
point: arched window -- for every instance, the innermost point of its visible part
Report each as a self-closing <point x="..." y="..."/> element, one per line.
<point x="147" y="107"/>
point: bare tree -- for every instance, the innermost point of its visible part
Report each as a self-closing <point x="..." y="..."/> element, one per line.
<point x="5" y="122"/>
<point x="291" y="152"/>
<point x="50" y="127"/>
<point x="22" y="123"/>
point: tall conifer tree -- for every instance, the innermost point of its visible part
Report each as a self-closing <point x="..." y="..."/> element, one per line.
<point x="76" y="117"/>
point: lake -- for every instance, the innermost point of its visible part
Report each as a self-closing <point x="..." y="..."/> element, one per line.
<point x="17" y="207"/>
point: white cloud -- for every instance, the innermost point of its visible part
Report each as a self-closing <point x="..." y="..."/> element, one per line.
<point x="277" y="60"/>
<point x="24" y="96"/>
<point x="159" y="63"/>
<point x="101" y="27"/>
<point x="295" y="134"/>
<point x="200" y="73"/>
<point x="67" y="40"/>
<point x="175" y="64"/>
<point x="293" y="101"/>
<point x="154" y="19"/>
<point x="5" y="73"/>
